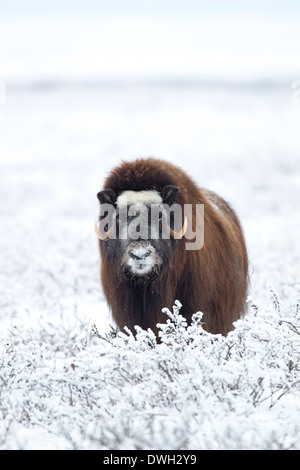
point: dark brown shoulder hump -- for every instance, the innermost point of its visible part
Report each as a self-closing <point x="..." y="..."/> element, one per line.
<point x="151" y="174"/>
<point x="141" y="174"/>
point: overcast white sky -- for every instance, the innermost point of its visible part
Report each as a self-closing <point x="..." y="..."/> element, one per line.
<point x="141" y="39"/>
<point x="149" y="6"/>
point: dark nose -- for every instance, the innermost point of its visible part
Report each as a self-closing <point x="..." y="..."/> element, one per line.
<point x="139" y="254"/>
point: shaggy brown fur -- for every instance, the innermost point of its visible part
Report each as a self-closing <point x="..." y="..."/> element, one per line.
<point x="213" y="279"/>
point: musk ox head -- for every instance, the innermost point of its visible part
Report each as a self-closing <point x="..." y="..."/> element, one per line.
<point x="139" y="230"/>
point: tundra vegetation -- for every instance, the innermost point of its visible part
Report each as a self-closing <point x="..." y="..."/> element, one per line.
<point x="78" y="388"/>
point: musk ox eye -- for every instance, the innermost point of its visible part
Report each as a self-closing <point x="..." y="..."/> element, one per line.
<point x="170" y="194"/>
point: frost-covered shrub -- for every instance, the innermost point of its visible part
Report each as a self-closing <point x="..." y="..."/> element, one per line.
<point x="192" y="390"/>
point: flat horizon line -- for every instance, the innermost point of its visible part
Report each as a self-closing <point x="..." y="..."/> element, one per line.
<point x="53" y="84"/>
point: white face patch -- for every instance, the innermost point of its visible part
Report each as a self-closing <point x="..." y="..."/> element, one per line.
<point x="139" y="197"/>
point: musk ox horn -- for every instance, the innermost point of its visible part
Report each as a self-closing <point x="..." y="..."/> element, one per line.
<point x="181" y="233"/>
<point x="100" y="235"/>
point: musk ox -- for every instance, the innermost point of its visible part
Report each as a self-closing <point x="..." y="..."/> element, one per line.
<point x="140" y="275"/>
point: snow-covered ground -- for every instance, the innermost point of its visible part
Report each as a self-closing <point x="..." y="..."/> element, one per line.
<point x="59" y="386"/>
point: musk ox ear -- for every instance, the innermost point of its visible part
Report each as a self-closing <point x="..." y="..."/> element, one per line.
<point x="170" y="194"/>
<point x="107" y="196"/>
